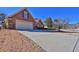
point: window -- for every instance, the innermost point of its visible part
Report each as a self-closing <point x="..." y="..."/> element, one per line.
<point x="25" y="15"/>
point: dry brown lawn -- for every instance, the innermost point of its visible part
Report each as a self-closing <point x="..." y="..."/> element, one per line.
<point x="12" y="41"/>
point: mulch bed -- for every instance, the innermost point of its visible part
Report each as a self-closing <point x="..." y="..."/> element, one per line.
<point x="12" y="41"/>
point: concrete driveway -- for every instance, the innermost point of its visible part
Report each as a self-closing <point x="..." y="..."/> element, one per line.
<point x="54" y="41"/>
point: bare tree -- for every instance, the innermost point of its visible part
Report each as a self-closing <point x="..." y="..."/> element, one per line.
<point x="2" y="17"/>
<point x="58" y="23"/>
<point x="65" y="24"/>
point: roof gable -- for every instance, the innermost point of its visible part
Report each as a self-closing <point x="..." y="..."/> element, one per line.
<point x="22" y="14"/>
<point x="18" y="12"/>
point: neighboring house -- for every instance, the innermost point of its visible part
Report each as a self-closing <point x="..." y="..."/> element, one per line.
<point x="77" y="26"/>
<point x="20" y="20"/>
<point x="39" y="24"/>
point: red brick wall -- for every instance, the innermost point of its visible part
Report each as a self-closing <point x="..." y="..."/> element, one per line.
<point x="11" y="23"/>
<point x="18" y="15"/>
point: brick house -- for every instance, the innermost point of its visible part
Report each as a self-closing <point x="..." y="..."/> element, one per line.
<point x="20" y="20"/>
<point x="77" y="26"/>
<point x="39" y="24"/>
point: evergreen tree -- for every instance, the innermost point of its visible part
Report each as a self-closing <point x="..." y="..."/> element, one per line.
<point x="49" y="22"/>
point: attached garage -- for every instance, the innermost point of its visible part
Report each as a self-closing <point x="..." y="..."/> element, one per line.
<point x="20" y="20"/>
<point x="20" y="24"/>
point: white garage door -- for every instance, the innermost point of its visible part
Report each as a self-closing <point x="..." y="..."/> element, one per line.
<point x="24" y="25"/>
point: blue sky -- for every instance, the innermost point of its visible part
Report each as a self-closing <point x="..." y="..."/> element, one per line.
<point x="71" y="14"/>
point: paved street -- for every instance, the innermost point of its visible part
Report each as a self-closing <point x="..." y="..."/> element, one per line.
<point x="53" y="41"/>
